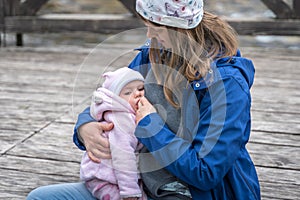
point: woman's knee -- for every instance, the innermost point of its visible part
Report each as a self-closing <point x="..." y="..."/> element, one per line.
<point x="36" y="194"/>
<point x="47" y="192"/>
<point x="65" y="191"/>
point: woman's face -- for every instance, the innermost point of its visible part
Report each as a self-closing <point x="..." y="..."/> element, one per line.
<point x="160" y="33"/>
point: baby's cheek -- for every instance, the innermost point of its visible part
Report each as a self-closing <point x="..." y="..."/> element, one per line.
<point x="133" y="105"/>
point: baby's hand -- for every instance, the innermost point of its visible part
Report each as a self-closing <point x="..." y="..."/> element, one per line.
<point x="145" y="108"/>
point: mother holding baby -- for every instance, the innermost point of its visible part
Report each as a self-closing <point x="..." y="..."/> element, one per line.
<point x="194" y="121"/>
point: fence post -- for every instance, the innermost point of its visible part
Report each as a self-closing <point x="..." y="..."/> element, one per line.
<point x="15" y="6"/>
<point x="2" y="25"/>
<point x="280" y="8"/>
<point x="31" y="7"/>
<point x="130" y="5"/>
<point x="10" y="8"/>
<point x="296" y="8"/>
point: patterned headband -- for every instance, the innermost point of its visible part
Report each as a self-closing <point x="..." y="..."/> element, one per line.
<point x="185" y="14"/>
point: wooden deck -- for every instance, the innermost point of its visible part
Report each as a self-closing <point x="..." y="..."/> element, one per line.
<point x="41" y="92"/>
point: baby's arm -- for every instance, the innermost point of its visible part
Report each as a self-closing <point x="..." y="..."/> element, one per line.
<point x="123" y="144"/>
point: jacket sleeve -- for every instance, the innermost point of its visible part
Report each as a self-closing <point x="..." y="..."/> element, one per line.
<point x="123" y="144"/>
<point x="83" y="118"/>
<point x="218" y="136"/>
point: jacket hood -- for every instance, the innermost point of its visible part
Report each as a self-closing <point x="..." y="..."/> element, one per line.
<point x="104" y="100"/>
<point x="244" y="65"/>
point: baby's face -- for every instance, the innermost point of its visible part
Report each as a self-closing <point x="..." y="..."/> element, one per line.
<point x="132" y="92"/>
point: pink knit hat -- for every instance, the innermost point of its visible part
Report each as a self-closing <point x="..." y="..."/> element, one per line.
<point x="116" y="80"/>
<point x="185" y="14"/>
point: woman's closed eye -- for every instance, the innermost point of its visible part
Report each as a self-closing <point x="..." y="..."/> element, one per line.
<point x="141" y="89"/>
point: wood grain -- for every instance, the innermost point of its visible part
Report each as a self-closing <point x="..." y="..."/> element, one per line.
<point x="37" y="116"/>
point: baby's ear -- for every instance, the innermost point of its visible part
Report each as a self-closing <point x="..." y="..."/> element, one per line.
<point x="106" y="74"/>
<point x="97" y="99"/>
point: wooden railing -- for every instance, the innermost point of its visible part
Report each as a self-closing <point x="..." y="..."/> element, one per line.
<point x="282" y="10"/>
<point x="20" y="17"/>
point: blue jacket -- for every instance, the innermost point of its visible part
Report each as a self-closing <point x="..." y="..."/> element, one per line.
<point x="216" y="163"/>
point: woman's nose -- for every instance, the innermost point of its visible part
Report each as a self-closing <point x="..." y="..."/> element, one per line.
<point x="151" y="33"/>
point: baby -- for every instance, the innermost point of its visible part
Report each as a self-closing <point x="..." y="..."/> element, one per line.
<point x="116" y="101"/>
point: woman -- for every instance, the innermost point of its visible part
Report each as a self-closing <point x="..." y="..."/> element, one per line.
<point x="195" y="117"/>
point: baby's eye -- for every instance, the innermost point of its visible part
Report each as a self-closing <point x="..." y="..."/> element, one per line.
<point x="127" y="93"/>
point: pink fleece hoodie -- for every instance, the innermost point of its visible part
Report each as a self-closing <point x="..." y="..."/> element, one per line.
<point x="122" y="169"/>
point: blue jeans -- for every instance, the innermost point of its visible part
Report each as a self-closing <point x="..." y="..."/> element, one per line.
<point x="65" y="191"/>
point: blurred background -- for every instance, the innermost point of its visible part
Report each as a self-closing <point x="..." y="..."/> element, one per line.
<point x="250" y="9"/>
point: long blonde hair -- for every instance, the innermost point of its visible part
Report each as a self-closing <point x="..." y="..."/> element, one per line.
<point x="192" y="52"/>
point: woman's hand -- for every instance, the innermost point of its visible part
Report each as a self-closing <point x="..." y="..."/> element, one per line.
<point x="145" y="108"/>
<point x="97" y="146"/>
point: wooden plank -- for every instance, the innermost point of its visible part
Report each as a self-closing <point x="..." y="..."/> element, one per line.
<point x="270" y="95"/>
<point x="15" y="170"/>
<point x="279" y="8"/>
<point x="278" y="183"/>
<point x="117" y="23"/>
<point x="271" y="70"/>
<point x="288" y="54"/>
<point x="289" y="118"/>
<point x="271" y="87"/>
<point x="266" y="27"/>
<point x="31" y="7"/>
<point x="274" y="107"/>
<point x="64" y="23"/>
<point x="279" y="191"/>
<point x="15" y="184"/>
<point x="40" y="166"/>
<point x="275" y="156"/>
<point x="9" y="138"/>
<point x="272" y="81"/>
<point x="58" y="135"/>
<point x="275" y="122"/>
<point x="276" y="128"/>
<point x="272" y="138"/>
